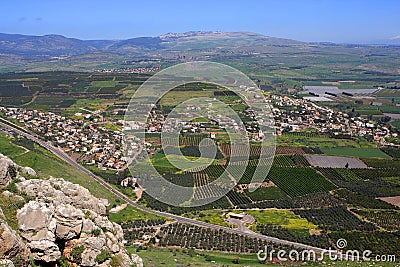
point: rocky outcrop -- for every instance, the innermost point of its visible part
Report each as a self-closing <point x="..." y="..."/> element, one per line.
<point x="6" y="263"/>
<point x="36" y="221"/>
<point x="44" y="250"/>
<point x="66" y="215"/>
<point x="61" y="219"/>
<point x="11" y="245"/>
<point x="8" y="170"/>
<point x="137" y="260"/>
<point x="69" y="221"/>
<point x="60" y="191"/>
<point x="28" y="171"/>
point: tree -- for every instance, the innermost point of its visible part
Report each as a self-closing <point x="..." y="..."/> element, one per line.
<point x="236" y="260"/>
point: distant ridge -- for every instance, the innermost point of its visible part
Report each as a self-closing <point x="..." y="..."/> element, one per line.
<point x="54" y="44"/>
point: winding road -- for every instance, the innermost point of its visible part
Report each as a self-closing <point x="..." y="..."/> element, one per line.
<point x="58" y="152"/>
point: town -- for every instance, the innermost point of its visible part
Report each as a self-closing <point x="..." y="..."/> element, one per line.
<point x="91" y="143"/>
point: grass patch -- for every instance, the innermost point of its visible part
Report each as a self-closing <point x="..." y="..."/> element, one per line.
<point x="355" y="152"/>
<point x="104" y="83"/>
<point x="284" y="218"/>
<point x="322" y="142"/>
<point x="173" y="98"/>
<point x="160" y="160"/>
<point x="183" y="257"/>
<point x="215" y="216"/>
<point x="8" y="148"/>
<point x="131" y="214"/>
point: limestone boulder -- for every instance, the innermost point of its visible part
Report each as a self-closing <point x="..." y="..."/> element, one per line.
<point x="36" y="221"/>
<point x="8" y="170"/>
<point x="11" y="245"/>
<point x="69" y="221"/>
<point x="44" y="250"/>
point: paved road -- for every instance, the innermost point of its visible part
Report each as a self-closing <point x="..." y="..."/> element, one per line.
<point x="180" y="219"/>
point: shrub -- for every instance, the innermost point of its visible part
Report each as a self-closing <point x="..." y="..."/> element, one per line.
<point x="103" y="256"/>
<point x="76" y="254"/>
<point x="12" y="187"/>
<point x="96" y="231"/>
<point x="116" y="261"/>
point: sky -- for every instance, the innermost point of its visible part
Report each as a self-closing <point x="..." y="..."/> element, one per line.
<point x="340" y="21"/>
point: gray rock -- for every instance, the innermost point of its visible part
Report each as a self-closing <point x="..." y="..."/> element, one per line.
<point x="136" y="259"/>
<point x="103" y="222"/>
<point x="60" y="191"/>
<point x="89" y="257"/>
<point x="126" y="260"/>
<point x="11" y="244"/>
<point x="44" y="250"/>
<point x="6" y="263"/>
<point x="92" y="248"/>
<point x="88" y="226"/>
<point x="28" y="170"/>
<point x="7" y="193"/>
<point x="36" y="221"/>
<point x="67" y="212"/>
<point x="2" y="216"/>
<point x="119" y="233"/>
<point x="69" y="221"/>
<point x="112" y="242"/>
<point x="8" y="170"/>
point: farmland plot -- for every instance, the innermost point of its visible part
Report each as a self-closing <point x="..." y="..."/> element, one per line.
<point x="335" y="162"/>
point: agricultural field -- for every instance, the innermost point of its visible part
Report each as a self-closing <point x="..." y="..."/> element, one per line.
<point x="266" y="193"/>
<point x="216" y="216"/>
<point x="314" y="140"/>
<point x="387" y="219"/>
<point x="299" y="181"/>
<point x="355" y="152"/>
<point x="67" y="92"/>
<point x="335" y="219"/>
<point x="130" y="214"/>
<point x="335" y="162"/>
<point x="284" y="218"/>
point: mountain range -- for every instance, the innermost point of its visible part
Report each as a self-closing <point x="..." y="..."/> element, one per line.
<point x="57" y="45"/>
<point x="52" y="52"/>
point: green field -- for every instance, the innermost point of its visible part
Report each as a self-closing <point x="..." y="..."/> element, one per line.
<point x="355" y="152"/>
<point x="173" y="98"/>
<point x="131" y="214"/>
<point x="284" y="218"/>
<point x="104" y="83"/>
<point x="8" y="148"/>
<point x="322" y="142"/>
<point x="396" y="123"/>
<point x="215" y="216"/>
<point x="160" y="160"/>
<point x="299" y="181"/>
<point x="155" y="256"/>
<point x="266" y="193"/>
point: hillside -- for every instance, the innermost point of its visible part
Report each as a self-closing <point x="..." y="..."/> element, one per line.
<point x="59" y="45"/>
<point x="53" y="221"/>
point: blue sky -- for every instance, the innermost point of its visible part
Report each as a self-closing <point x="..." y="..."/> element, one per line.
<point x="305" y="20"/>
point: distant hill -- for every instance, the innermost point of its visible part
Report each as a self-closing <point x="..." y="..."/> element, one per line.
<point x="48" y="44"/>
<point x="249" y="50"/>
<point x="59" y="45"/>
